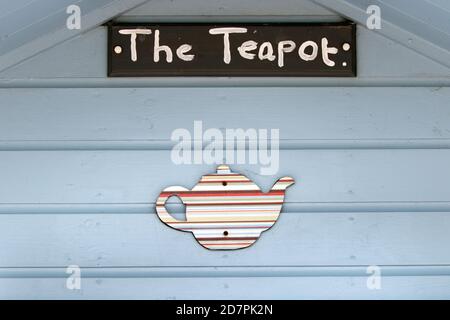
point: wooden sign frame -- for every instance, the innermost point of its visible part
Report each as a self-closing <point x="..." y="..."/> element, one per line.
<point x="254" y="50"/>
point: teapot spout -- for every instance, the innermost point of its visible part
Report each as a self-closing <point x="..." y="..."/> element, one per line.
<point x="283" y="183"/>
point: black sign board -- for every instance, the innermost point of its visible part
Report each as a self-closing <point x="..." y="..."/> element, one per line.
<point x="300" y="50"/>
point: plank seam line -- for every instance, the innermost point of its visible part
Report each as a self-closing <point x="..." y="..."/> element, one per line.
<point x="288" y="207"/>
<point x="230" y="82"/>
<point x="231" y="271"/>
<point x="164" y="144"/>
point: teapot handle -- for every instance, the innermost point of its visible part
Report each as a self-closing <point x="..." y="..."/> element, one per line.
<point x="163" y="215"/>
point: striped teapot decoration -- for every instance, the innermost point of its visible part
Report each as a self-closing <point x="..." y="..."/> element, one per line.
<point x="225" y="210"/>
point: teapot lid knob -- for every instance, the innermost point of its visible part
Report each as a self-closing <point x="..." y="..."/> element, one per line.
<point x="223" y="169"/>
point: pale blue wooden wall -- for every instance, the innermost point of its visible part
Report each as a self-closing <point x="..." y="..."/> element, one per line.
<point x="83" y="158"/>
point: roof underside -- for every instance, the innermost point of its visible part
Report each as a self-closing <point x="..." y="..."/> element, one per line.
<point x="28" y="27"/>
<point x="423" y="25"/>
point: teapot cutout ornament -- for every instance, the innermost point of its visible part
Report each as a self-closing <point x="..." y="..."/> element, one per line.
<point x="225" y="210"/>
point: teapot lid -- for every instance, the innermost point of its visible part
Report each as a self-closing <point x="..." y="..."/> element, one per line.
<point x="225" y="179"/>
<point x="223" y="169"/>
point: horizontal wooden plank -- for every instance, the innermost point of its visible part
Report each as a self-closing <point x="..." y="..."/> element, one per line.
<point x="227" y="17"/>
<point x="381" y="116"/>
<point x="404" y="287"/>
<point x="139" y="176"/>
<point x="227" y="7"/>
<point x="301" y="239"/>
<point x="81" y="62"/>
